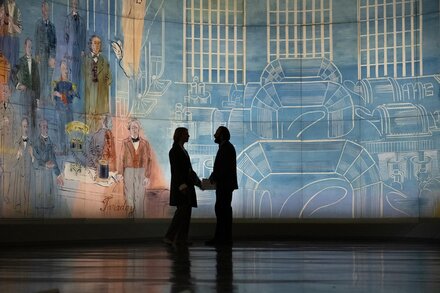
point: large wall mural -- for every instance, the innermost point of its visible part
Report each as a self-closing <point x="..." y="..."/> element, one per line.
<point x="333" y="105"/>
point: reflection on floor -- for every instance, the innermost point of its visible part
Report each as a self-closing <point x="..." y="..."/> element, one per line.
<point x="289" y="266"/>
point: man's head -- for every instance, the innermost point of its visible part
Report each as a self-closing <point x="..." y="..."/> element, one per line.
<point x="24" y="127"/>
<point x="28" y="47"/>
<point x="64" y="70"/>
<point x="74" y="5"/>
<point x="45" y="9"/>
<point x="43" y="127"/>
<point x="95" y="44"/>
<point x="134" y="126"/>
<point x="222" y="134"/>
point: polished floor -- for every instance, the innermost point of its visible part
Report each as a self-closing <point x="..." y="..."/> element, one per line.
<point x="249" y="266"/>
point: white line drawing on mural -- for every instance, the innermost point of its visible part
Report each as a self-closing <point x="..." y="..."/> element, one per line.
<point x="313" y="196"/>
<point x="301" y="214"/>
<point x="378" y="36"/>
<point x="214" y="39"/>
<point x="338" y="161"/>
<point x="295" y="92"/>
<point x="312" y="35"/>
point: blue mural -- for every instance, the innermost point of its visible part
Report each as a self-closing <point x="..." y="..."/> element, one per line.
<point x="333" y="105"/>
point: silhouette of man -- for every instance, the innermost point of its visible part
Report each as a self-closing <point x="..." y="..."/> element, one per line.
<point x="224" y="176"/>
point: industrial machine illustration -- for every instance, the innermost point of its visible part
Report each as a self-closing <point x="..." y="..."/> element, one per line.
<point x="312" y="146"/>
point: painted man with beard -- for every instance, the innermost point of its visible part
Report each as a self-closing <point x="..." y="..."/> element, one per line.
<point x="23" y="170"/>
<point x="97" y="78"/>
<point x="47" y="167"/>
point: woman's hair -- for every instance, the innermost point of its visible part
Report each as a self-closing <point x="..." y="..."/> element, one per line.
<point x="178" y="133"/>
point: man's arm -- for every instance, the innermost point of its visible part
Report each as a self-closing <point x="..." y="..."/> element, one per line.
<point x="67" y="30"/>
<point x="108" y="73"/>
<point x="17" y="23"/>
<point x="147" y="160"/>
<point x="52" y="41"/>
<point x="121" y="163"/>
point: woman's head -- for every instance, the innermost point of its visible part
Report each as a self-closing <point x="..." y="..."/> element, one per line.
<point x="181" y="135"/>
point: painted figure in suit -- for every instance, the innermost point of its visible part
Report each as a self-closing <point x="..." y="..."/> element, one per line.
<point x="11" y="28"/>
<point x="97" y="79"/>
<point x="64" y="92"/>
<point x="102" y="146"/>
<point x="45" y="51"/>
<point x="27" y="81"/>
<point x="135" y="167"/>
<point x="75" y="37"/>
<point x="47" y="167"/>
<point x="182" y="191"/>
<point x="224" y="176"/>
<point x="23" y="170"/>
<point x="6" y="143"/>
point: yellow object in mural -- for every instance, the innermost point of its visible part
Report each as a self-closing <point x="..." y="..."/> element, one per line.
<point x="77" y="132"/>
<point x="77" y="126"/>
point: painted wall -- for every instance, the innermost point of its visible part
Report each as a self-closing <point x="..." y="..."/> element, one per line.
<point x="333" y="105"/>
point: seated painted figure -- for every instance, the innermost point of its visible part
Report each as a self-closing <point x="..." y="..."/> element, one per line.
<point x="64" y="93"/>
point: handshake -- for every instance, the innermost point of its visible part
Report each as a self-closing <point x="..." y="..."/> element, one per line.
<point x="207" y="184"/>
